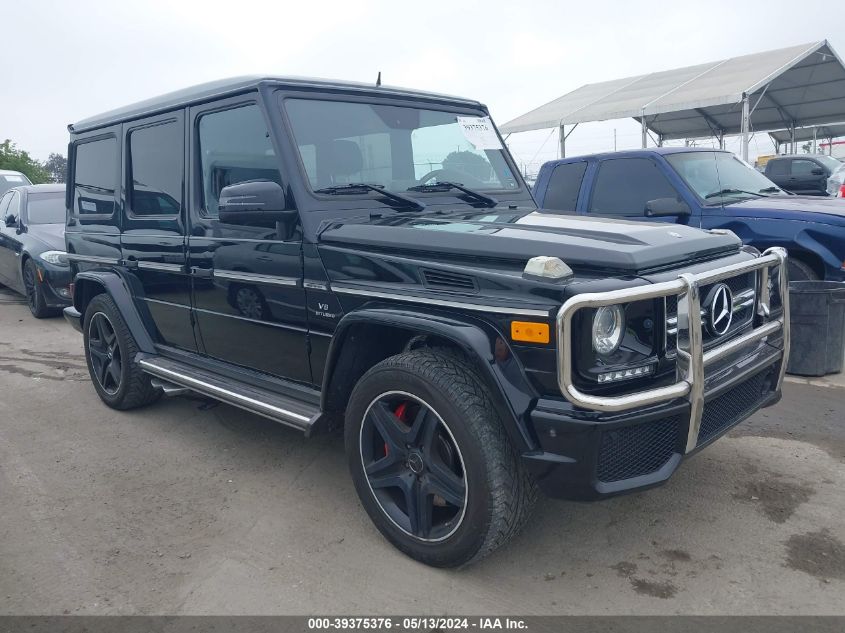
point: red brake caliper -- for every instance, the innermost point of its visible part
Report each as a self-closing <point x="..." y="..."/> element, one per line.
<point x="399" y="412"/>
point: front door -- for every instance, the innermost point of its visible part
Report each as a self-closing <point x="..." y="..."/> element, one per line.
<point x="10" y="242"/>
<point x="249" y="302"/>
<point x="624" y="187"/>
<point x="153" y="239"/>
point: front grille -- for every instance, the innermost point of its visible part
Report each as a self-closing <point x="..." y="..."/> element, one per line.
<point x="637" y="450"/>
<point x="739" y="285"/>
<point x="732" y="406"/>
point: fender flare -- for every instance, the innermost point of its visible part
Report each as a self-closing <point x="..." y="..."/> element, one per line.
<point x="118" y="288"/>
<point x="474" y="337"/>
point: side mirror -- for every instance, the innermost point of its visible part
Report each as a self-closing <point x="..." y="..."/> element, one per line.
<point x="10" y="220"/>
<point x="254" y="202"/>
<point x="818" y="171"/>
<point x="661" y="207"/>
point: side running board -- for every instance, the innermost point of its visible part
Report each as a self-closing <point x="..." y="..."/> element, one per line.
<point x="295" y="413"/>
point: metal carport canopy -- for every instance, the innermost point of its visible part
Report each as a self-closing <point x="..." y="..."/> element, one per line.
<point x="833" y="130"/>
<point x="790" y="87"/>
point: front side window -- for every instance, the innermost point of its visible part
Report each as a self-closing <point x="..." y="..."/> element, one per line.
<point x="625" y="185"/>
<point x="564" y="186"/>
<point x="719" y="177"/>
<point x="803" y="168"/>
<point x="391" y="146"/>
<point x="155" y="169"/>
<point x="234" y="147"/>
<point x="45" y="208"/>
<point x="95" y="177"/>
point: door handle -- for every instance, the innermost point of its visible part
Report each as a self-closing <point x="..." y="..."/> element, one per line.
<point x="205" y="273"/>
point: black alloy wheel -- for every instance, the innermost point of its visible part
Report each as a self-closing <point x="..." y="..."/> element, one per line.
<point x="105" y="353"/>
<point x="32" y="289"/>
<point x="413" y="466"/>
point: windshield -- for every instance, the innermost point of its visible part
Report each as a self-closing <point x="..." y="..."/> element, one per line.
<point x="395" y="147"/>
<point x="46" y="208"/>
<point x="828" y="161"/>
<point x="8" y="181"/>
<point x="721" y="176"/>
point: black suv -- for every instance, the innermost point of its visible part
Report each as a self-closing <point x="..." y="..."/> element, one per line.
<point x="330" y="254"/>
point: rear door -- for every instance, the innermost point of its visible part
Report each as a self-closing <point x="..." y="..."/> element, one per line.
<point x="153" y="238"/>
<point x="249" y="302"/>
<point x="777" y="170"/>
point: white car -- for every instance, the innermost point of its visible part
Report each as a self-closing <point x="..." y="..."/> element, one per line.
<point x="9" y="179"/>
<point x="836" y="183"/>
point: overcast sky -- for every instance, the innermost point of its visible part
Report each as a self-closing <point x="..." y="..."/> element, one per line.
<point x="69" y="60"/>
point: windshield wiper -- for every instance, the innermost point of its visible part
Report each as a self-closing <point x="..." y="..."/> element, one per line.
<point x="446" y="185"/>
<point x="771" y="189"/>
<point x="364" y="187"/>
<point x="729" y="191"/>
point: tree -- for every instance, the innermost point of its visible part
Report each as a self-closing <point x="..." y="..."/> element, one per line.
<point x="56" y="166"/>
<point x="18" y="160"/>
<point x="468" y="163"/>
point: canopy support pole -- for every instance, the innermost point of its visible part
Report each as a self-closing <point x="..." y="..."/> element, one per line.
<point x="815" y="139"/>
<point x="563" y="136"/>
<point x="792" y="145"/>
<point x="746" y="126"/>
<point x="644" y="130"/>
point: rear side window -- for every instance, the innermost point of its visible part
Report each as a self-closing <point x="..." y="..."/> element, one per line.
<point x="777" y="167"/>
<point x="95" y="177"/>
<point x="156" y="166"/>
<point x="564" y="185"/>
<point x="624" y="186"/>
<point x="234" y="147"/>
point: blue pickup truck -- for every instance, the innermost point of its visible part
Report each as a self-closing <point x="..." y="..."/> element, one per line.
<point x="710" y="189"/>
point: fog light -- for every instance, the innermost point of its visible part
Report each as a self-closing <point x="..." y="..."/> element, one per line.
<point x="626" y="374"/>
<point x="63" y="292"/>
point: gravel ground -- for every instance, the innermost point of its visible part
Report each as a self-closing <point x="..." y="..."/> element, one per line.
<point x="192" y="508"/>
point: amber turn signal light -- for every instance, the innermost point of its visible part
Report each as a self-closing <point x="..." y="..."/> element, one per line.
<point x="530" y="332"/>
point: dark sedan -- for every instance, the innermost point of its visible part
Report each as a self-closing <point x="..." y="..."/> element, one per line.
<point x="32" y="247"/>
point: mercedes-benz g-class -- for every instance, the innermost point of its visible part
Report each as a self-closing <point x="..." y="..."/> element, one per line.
<point x="329" y="254"/>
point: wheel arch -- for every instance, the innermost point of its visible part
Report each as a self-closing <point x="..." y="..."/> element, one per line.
<point x="90" y="283"/>
<point x="351" y="355"/>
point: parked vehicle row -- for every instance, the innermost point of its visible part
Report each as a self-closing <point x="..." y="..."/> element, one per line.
<point x="704" y="188"/>
<point x="330" y="254"/>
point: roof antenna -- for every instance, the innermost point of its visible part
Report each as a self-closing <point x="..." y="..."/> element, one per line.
<point x="378" y="79"/>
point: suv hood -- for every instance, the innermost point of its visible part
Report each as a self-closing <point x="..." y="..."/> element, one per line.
<point x="586" y="243"/>
<point x="792" y="204"/>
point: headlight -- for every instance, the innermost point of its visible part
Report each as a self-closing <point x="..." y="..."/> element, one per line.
<point x="58" y="258"/>
<point x="608" y="329"/>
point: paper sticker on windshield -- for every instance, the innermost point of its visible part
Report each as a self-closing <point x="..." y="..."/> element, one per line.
<point x="13" y="178"/>
<point x="479" y="131"/>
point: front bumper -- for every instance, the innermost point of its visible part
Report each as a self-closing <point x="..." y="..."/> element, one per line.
<point x="596" y="446"/>
<point x="55" y="286"/>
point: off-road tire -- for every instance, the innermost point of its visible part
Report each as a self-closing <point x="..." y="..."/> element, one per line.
<point x="500" y="492"/>
<point x="135" y="389"/>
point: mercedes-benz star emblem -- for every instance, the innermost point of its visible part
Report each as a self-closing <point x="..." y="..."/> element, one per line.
<point x="721" y="310"/>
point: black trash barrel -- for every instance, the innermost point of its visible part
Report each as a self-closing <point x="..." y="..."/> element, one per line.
<point x="817" y="315"/>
